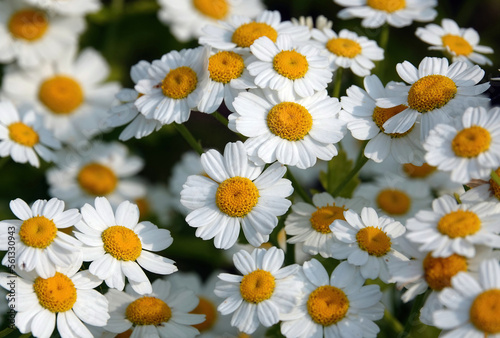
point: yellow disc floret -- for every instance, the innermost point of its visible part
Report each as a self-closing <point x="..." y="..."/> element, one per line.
<point x="470" y="142"/>
<point x="494" y="187"/>
<point x="431" y="92"/>
<point x="215" y="9"/>
<point x="290" y="64"/>
<point x="343" y="47"/>
<point x="324" y="216"/>
<point x="28" y="24"/>
<point x="257" y="286"/>
<point x="393" y="201"/>
<point x="56" y="294"/>
<point x="207" y="308"/>
<point x="122" y="243"/>
<point x="225" y="66"/>
<point x="389" y="6"/>
<point x="97" y="179"/>
<point x="236" y="196"/>
<point x="459" y="223"/>
<point x="61" y="94"/>
<point x="439" y="270"/>
<point x="374" y="241"/>
<point x="179" y="83"/>
<point x="246" y="34"/>
<point x="38" y="232"/>
<point x="485" y="312"/>
<point x="148" y="310"/>
<point x="381" y="115"/>
<point x="415" y="171"/>
<point x="23" y="134"/>
<point x="327" y="305"/>
<point x="290" y="121"/>
<point x="457" y="44"/>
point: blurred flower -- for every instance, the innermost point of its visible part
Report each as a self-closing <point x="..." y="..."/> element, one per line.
<point x="71" y="7"/>
<point x="321" y="22"/>
<point x="189" y="164"/>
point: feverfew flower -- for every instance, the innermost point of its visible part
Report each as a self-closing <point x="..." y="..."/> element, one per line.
<point x="470" y="149"/>
<point x="460" y="43"/>
<point x="41" y="244"/>
<point x="23" y="136"/>
<point x="335" y="306"/>
<point x="264" y="293"/>
<point x="164" y="312"/>
<point x="71" y="7"/>
<point x="320" y="23"/>
<point x="348" y="50"/>
<point x="189" y="164"/>
<point x="368" y="242"/>
<point x="235" y="193"/>
<point x="455" y="228"/>
<point x="294" y="132"/>
<point x="398" y="13"/>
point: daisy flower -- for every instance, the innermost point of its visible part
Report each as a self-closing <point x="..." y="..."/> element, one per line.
<point x="235" y="193"/>
<point x="72" y="7"/>
<point x="263" y="294"/>
<point x="23" y="136"/>
<point x="238" y="33"/>
<point x="460" y="43"/>
<point x="228" y="76"/>
<point x="288" y="69"/>
<point x="438" y="181"/>
<point x="368" y="241"/>
<point x="118" y="245"/>
<point x="105" y="169"/>
<point x="335" y="306"/>
<point x="32" y="35"/>
<point x="482" y="190"/>
<point x="41" y="244"/>
<point x="70" y="93"/>
<point x="67" y="297"/>
<point x="189" y="164"/>
<point x="293" y="132"/>
<point x="174" y="87"/>
<point x="127" y="112"/>
<point x="365" y="120"/>
<point x="310" y="224"/>
<point x="436" y="92"/>
<point x="348" y="50"/>
<point x="471" y="305"/>
<point x="398" y="13"/>
<point x="455" y="228"/>
<point x="186" y="19"/>
<point x="164" y="312"/>
<point x="470" y="149"/>
<point x="320" y="22"/>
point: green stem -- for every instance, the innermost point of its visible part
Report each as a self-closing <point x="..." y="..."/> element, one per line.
<point x="495" y="177"/>
<point x="6" y="332"/>
<point x="221" y="118"/>
<point x="298" y="188"/>
<point x="414" y="314"/>
<point x="360" y="162"/>
<point x="3" y="161"/>
<point x="189" y="138"/>
<point x="338" y="82"/>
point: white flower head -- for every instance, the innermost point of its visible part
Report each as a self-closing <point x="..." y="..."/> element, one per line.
<point x="69" y="8"/>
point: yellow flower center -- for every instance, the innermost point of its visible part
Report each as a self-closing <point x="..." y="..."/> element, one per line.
<point x="415" y="171"/>
<point x="381" y="115"/>
<point x="494" y="187"/>
<point x="125" y="334"/>
<point x="246" y="34"/>
<point x="470" y="142"/>
<point x="179" y="83"/>
<point x="56" y="294"/>
<point x="38" y="232"/>
<point x="459" y="223"/>
<point x="439" y="270"/>
<point x="327" y="305"/>
<point x="485" y="312"/>
<point x="394" y="202"/>
<point x="431" y="92"/>
<point x="289" y="120"/>
<point x="121" y="243"/>
<point x="457" y="44"/>
<point x="225" y="66"/>
<point x="374" y="241"/>
<point x="257" y="286"/>
<point x="236" y="196"/>
<point x="97" y="179"/>
<point x="389" y="6"/>
<point x="324" y="216"/>
<point x="343" y="47"/>
<point x="28" y="24"/>
<point x="61" y="94"/>
<point x="207" y="308"/>
<point x="290" y="64"/>
<point x="148" y="310"/>
<point x="216" y="9"/>
<point x="23" y="134"/>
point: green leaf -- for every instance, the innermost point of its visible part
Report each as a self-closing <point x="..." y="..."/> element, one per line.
<point x="338" y="169"/>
